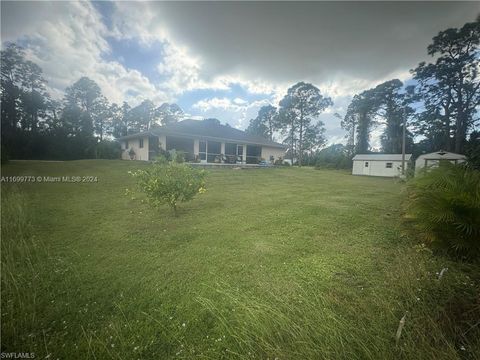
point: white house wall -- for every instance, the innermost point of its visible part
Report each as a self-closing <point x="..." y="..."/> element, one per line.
<point x="357" y="167"/>
<point x="272" y="151"/>
<point x="140" y="153"/>
<point x="378" y="168"/>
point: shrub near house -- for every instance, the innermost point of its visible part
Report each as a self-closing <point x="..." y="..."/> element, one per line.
<point x="170" y="183"/>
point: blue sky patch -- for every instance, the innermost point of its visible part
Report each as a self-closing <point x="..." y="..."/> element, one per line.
<point x="134" y="55"/>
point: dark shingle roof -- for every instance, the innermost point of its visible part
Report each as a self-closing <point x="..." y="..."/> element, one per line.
<point x="209" y="130"/>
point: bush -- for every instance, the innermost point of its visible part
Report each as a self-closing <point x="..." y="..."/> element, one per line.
<point x="472" y="150"/>
<point x="108" y="150"/>
<point x="281" y="162"/>
<point x="178" y="156"/>
<point x="170" y="183"/>
<point x="444" y="205"/>
<point x="335" y="156"/>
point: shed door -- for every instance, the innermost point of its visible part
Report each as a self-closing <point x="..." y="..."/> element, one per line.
<point x="366" y="168"/>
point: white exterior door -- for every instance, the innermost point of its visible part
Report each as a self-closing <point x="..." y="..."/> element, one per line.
<point x="366" y="168"/>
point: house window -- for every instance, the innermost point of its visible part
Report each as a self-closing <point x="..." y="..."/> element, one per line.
<point x="389" y="165"/>
<point x="126" y="144"/>
<point x="213" y="151"/>
<point x="140" y="143"/>
<point x="254" y="154"/>
<point x="366" y="163"/>
<point x="230" y="149"/>
<point x="231" y="153"/>
<point x="240" y="150"/>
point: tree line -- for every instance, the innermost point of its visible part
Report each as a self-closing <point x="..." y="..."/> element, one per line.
<point x="295" y="120"/>
<point x="440" y="107"/>
<point x="81" y="125"/>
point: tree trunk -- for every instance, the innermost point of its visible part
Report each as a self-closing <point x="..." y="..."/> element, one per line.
<point x="300" y="140"/>
<point x="292" y="135"/>
<point x="448" y="143"/>
<point x="460" y="130"/>
<point x="447" y="114"/>
<point x="300" y="144"/>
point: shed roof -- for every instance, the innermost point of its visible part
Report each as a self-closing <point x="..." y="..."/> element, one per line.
<point x="438" y="155"/>
<point x="207" y="129"/>
<point x="382" y="157"/>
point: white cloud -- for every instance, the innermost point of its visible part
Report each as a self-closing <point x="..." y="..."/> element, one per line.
<point x="68" y="41"/>
<point x="236" y="112"/>
<point x="181" y="69"/>
<point x="239" y="101"/>
<point x="184" y="72"/>
<point x="137" y="20"/>
<point x="217" y="103"/>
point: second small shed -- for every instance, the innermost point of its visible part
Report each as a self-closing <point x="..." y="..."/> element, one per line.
<point x="389" y="165"/>
<point x="433" y="159"/>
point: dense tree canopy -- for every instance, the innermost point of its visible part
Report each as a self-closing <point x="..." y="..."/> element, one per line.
<point x="440" y="108"/>
<point x="358" y="121"/>
<point x="450" y="87"/>
<point x="81" y="125"/>
<point x="300" y="106"/>
<point x="266" y="122"/>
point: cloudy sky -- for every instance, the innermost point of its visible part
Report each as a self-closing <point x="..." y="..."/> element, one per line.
<point x="227" y="59"/>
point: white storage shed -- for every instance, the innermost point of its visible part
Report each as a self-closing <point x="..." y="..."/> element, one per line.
<point x="389" y="165"/>
<point x="433" y="159"/>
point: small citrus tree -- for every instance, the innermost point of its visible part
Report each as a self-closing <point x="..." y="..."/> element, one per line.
<point x="170" y="183"/>
<point x="444" y="205"/>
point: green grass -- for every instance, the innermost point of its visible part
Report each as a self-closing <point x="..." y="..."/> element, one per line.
<point x="269" y="263"/>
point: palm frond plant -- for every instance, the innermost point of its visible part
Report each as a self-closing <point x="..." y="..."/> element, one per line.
<point x="443" y="205"/>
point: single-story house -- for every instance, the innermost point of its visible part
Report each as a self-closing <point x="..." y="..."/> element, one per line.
<point x="389" y="165"/>
<point x="203" y="141"/>
<point x="433" y="159"/>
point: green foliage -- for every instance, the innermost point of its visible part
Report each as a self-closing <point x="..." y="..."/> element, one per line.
<point x="333" y="157"/>
<point x="387" y="103"/>
<point x="35" y="126"/>
<point x="169" y="113"/>
<point x="302" y="104"/>
<point x="170" y="183"/>
<point x="444" y="205"/>
<point x="359" y="121"/>
<point x="281" y="162"/>
<point x="393" y="101"/>
<point x="108" y="150"/>
<point x="266" y="122"/>
<point x="176" y="155"/>
<point x="472" y="150"/>
<point x="450" y="87"/>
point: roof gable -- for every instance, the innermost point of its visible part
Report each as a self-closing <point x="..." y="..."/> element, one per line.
<point x="442" y="155"/>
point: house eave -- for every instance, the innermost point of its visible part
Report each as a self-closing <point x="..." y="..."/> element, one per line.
<point x="197" y="136"/>
<point x="135" y="136"/>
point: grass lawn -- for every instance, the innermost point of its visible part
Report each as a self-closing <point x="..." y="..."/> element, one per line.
<point x="269" y="263"/>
